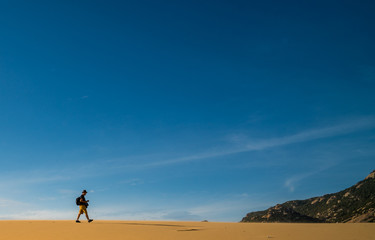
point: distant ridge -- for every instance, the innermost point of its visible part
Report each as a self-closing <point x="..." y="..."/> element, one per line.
<point x="354" y="204"/>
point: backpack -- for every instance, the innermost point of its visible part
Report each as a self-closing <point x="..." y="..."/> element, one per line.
<point x="78" y="201"/>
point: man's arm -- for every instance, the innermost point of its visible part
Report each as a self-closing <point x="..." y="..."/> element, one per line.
<point x="84" y="201"/>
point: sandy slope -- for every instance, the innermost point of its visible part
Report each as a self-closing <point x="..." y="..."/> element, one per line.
<point x="129" y="230"/>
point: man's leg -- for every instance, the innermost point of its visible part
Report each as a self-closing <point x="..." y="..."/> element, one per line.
<point x="79" y="214"/>
<point x="87" y="216"/>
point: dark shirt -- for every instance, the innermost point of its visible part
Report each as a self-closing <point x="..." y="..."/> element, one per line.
<point x="83" y="199"/>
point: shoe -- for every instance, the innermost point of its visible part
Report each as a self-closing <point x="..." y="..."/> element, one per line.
<point x="78" y="221"/>
<point x="90" y="220"/>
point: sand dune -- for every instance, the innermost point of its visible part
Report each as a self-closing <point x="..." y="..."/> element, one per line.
<point x="134" y="230"/>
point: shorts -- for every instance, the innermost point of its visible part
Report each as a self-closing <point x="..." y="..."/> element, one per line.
<point x="82" y="209"/>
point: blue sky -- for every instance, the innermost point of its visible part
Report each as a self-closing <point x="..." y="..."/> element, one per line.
<point x="182" y="110"/>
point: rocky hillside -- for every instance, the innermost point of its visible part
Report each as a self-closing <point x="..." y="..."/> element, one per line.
<point x="354" y="204"/>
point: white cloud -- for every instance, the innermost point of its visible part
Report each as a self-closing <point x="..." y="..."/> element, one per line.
<point x="228" y="208"/>
<point x="40" y="215"/>
<point x="67" y="192"/>
<point x="263" y="144"/>
<point x="17" y="210"/>
<point x="308" y="135"/>
<point x="231" y="209"/>
<point x="128" y="212"/>
<point x="29" y="177"/>
<point x="6" y="203"/>
<point x="292" y="182"/>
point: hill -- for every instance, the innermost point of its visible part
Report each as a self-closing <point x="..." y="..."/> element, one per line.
<point x="354" y="204"/>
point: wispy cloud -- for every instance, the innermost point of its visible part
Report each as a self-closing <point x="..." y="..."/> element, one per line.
<point x="313" y="134"/>
<point x="131" y="211"/>
<point x="69" y="174"/>
<point x="263" y="144"/>
<point x="14" y="179"/>
<point x="220" y="210"/>
<point x="292" y="182"/>
<point x="47" y="214"/>
<point x="213" y="210"/>
<point x="6" y="203"/>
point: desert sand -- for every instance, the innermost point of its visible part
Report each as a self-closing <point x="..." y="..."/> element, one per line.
<point x="131" y="230"/>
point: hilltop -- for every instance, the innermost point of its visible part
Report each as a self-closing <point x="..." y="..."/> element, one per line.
<point x="354" y="204"/>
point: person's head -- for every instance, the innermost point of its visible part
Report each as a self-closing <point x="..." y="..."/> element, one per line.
<point x="84" y="192"/>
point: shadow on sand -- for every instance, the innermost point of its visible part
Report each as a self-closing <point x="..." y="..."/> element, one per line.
<point x="158" y="225"/>
<point x="145" y="224"/>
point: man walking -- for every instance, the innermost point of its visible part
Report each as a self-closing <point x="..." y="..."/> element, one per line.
<point x="83" y="204"/>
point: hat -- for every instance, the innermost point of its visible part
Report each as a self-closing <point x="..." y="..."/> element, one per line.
<point x="84" y="191"/>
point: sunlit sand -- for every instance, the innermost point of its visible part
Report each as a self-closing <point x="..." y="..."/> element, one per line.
<point x="130" y="230"/>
